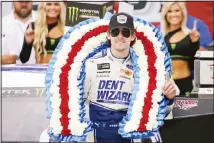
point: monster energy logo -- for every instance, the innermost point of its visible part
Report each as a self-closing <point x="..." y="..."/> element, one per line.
<point x="73" y="13"/>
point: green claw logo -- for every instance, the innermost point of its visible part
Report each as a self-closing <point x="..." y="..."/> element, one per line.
<point x="52" y="41"/>
<point x="73" y="13"/>
<point x="173" y="46"/>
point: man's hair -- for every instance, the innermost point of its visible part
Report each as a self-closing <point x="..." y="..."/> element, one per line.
<point x="122" y="20"/>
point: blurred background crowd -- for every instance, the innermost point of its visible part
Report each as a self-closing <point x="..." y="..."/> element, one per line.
<point x="32" y="30"/>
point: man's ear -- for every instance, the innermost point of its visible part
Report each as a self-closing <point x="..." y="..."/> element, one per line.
<point x="108" y="35"/>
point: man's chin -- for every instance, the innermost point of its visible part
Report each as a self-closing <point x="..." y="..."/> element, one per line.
<point x="120" y="45"/>
<point x="121" y="48"/>
<point x="24" y="14"/>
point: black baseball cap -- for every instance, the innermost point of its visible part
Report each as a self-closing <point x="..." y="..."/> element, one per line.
<point x="121" y="20"/>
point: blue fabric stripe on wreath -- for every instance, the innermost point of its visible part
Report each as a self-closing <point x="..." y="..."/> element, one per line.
<point x="49" y="74"/>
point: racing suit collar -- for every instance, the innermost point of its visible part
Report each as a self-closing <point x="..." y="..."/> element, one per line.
<point x="120" y="60"/>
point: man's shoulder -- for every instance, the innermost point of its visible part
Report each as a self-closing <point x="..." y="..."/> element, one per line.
<point x="8" y="23"/>
<point x="8" y="18"/>
<point x="192" y="19"/>
<point x="101" y="54"/>
<point x="97" y="58"/>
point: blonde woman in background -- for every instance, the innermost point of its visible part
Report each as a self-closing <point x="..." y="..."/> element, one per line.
<point x="182" y="44"/>
<point x="44" y="35"/>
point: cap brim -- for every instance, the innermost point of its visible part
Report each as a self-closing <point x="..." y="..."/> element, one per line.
<point x="121" y="27"/>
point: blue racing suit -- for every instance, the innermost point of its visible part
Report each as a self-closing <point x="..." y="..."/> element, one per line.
<point x="108" y="87"/>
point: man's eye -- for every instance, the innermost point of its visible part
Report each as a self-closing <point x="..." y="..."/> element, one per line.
<point x="48" y="4"/>
<point x="56" y="4"/>
<point x="115" y="32"/>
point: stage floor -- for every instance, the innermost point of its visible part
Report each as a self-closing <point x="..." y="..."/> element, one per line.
<point x="23" y="119"/>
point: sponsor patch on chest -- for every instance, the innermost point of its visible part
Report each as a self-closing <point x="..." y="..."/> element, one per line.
<point x="103" y="66"/>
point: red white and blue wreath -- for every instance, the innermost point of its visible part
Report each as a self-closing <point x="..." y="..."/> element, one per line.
<point x="65" y="81"/>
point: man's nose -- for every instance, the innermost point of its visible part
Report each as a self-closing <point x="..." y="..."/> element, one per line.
<point x="23" y="3"/>
<point x="52" y="6"/>
<point x="120" y="35"/>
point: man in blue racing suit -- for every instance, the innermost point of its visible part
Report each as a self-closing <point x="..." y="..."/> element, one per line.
<point x="109" y="74"/>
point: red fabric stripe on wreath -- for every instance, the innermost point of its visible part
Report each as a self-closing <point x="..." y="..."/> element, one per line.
<point x="149" y="51"/>
<point x="63" y="85"/>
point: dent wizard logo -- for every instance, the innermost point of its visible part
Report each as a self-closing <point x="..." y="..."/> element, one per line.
<point x="73" y="13"/>
<point x="111" y="91"/>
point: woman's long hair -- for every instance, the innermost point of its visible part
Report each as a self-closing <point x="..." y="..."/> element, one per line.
<point x="41" y="30"/>
<point x="164" y="22"/>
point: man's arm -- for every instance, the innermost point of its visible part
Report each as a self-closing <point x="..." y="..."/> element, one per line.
<point x="202" y="48"/>
<point x="8" y="59"/>
<point x="205" y="36"/>
<point x="170" y="89"/>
